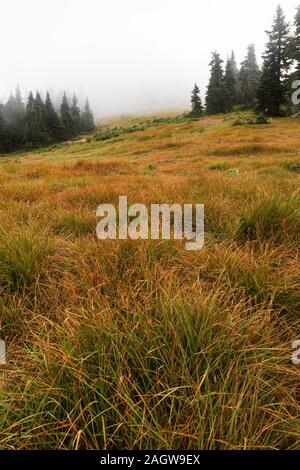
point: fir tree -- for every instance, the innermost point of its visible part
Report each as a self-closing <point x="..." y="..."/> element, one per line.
<point x="230" y="85"/>
<point x="272" y="89"/>
<point x="197" y="108"/>
<point x="15" y="114"/>
<point x="67" y="119"/>
<point x="216" y="96"/>
<point x="294" y="47"/>
<point x="76" y="115"/>
<point x="88" y="123"/>
<point x="53" y="124"/>
<point x="3" y="131"/>
<point x="249" y="78"/>
<point x="36" y="133"/>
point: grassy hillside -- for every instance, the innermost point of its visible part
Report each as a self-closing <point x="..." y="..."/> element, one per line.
<point x="123" y="344"/>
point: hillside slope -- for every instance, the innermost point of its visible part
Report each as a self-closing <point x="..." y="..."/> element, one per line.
<point x="141" y="344"/>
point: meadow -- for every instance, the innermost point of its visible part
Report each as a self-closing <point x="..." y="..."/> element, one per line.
<point x="141" y="344"/>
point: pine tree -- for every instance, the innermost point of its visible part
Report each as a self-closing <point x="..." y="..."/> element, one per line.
<point x="216" y="96"/>
<point x="249" y="77"/>
<point x="88" y="123"/>
<point x="294" y="47"/>
<point x="3" y="131"/>
<point x="36" y="133"/>
<point x="272" y="89"/>
<point x="197" y="108"/>
<point x="15" y="114"/>
<point x="76" y="115"/>
<point x="53" y="124"/>
<point x="67" y="119"/>
<point x="230" y="85"/>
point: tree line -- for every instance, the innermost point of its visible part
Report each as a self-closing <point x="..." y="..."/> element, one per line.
<point x="38" y="122"/>
<point x="266" y="89"/>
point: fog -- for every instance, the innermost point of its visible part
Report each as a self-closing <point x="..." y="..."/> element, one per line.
<point x="126" y="55"/>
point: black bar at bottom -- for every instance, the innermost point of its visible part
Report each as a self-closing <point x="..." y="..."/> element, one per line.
<point x="134" y="459"/>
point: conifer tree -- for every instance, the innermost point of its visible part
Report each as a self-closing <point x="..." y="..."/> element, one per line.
<point x="53" y="124"/>
<point x="197" y="108"/>
<point x="67" y="119"/>
<point x="249" y="77"/>
<point x="36" y="133"/>
<point x="3" y="131"/>
<point x="236" y="74"/>
<point x="230" y="85"/>
<point x="272" y="89"/>
<point x="216" y="96"/>
<point x="76" y="115"/>
<point x="295" y="47"/>
<point x="40" y="113"/>
<point x="15" y="113"/>
<point x="88" y="123"/>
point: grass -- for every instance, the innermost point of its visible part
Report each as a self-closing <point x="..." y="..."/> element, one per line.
<point x="141" y="344"/>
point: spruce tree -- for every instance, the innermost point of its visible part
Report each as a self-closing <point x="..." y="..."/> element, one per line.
<point x="216" y="96"/>
<point x="3" y="131"/>
<point x="236" y="74"/>
<point x="272" y="89"/>
<point x="197" y="108"/>
<point x="230" y="85"/>
<point x="88" y="123"/>
<point x="249" y="78"/>
<point x="53" y="124"/>
<point x="76" y="115"/>
<point x="15" y="114"/>
<point x="67" y="119"/>
<point x="295" y="47"/>
<point x="36" y="133"/>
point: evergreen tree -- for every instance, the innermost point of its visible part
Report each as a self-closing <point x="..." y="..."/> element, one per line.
<point x="216" y="96"/>
<point x="249" y="77"/>
<point x="294" y="47"/>
<point x="197" y="108"/>
<point x="272" y="89"/>
<point x="230" y="85"/>
<point x="3" y="131"/>
<point x="36" y="133"/>
<point x="53" y="124"/>
<point x="40" y="112"/>
<point x="67" y="119"/>
<point x="15" y="114"/>
<point x="88" y="123"/>
<point x="76" y="115"/>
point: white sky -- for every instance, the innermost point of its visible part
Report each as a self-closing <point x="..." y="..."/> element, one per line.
<point x="126" y="55"/>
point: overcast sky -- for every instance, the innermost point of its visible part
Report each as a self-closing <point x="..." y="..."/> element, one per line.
<point x="126" y="55"/>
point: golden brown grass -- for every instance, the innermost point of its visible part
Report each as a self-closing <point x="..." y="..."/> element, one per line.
<point x="122" y="344"/>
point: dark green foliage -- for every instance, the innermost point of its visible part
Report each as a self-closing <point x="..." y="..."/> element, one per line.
<point x="237" y="96"/>
<point x="38" y="123"/>
<point x="231" y="85"/>
<point x="14" y="115"/>
<point x="67" y="119"/>
<point x="88" y="124"/>
<point x="3" y="131"/>
<point x="249" y="78"/>
<point x="53" y="124"/>
<point x="294" y="47"/>
<point x="216" y="97"/>
<point x="76" y="115"/>
<point x="197" y="108"/>
<point x="272" y="89"/>
<point x="36" y="132"/>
